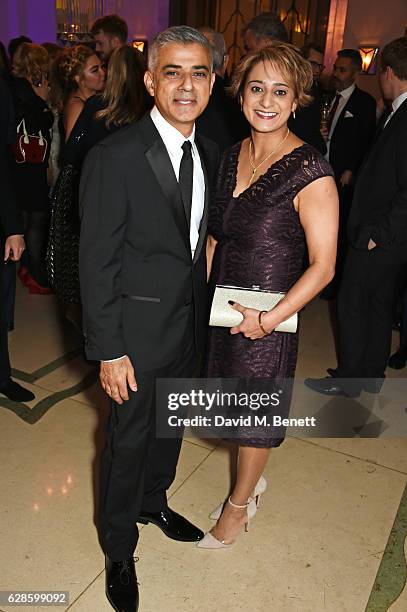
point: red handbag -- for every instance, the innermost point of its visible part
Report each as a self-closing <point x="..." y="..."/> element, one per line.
<point x="28" y="148"/>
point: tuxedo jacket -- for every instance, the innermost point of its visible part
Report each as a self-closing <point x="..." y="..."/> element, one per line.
<point x="137" y="276"/>
<point x="10" y="220"/>
<point x="379" y="205"/>
<point x="353" y="133"/>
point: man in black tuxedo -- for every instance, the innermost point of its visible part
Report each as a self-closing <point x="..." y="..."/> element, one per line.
<point x="11" y="245"/>
<point x="144" y="204"/>
<point x="349" y="134"/>
<point x="377" y="231"/>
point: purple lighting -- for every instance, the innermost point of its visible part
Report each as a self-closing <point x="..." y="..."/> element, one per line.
<point x="28" y="17"/>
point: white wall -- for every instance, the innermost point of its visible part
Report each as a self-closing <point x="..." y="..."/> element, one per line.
<point x="373" y="22"/>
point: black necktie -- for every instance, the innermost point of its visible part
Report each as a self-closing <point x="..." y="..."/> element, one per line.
<point x="186" y="172"/>
<point x="333" y="111"/>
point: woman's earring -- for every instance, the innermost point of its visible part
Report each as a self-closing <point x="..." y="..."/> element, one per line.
<point x="293" y="114"/>
<point x="241" y="103"/>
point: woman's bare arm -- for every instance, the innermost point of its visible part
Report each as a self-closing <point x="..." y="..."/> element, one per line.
<point x="210" y="251"/>
<point x="73" y="109"/>
<point x="317" y="206"/>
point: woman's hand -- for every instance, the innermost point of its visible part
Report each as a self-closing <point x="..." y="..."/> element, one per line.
<point x="14" y="247"/>
<point x="249" y="327"/>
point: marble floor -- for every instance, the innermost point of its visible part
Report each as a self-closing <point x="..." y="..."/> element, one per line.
<point x="329" y="535"/>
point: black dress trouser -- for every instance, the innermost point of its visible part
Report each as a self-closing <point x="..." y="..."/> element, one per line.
<point x="137" y="468"/>
<point x="5" y="371"/>
<point x="365" y="308"/>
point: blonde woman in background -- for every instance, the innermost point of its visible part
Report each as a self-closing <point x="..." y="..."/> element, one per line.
<point x="121" y="103"/>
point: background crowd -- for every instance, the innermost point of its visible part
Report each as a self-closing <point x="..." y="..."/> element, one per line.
<point x="119" y="226"/>
<point x="57" y="103"/>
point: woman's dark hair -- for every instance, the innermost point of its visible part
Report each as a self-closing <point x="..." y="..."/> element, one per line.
<point x="124" y="95"/>
<point x="15" y="43"/>
<point x="52" y="48"/>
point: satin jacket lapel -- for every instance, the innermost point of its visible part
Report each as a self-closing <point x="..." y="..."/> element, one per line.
<point x="159" y="160"/>
<point x="204" y="221"/>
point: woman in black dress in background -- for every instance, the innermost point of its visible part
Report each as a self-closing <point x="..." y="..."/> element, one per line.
<point x="275" y="196"/>
<point x="122" y="103"/>
<point x="33" y="117"/>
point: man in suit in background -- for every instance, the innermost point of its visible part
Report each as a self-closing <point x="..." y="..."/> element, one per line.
<point x="349" y="134"/>
<point x="307" y="121"/>
<point x="145" y="203"/>
<point x="217" y="120"/>
<point x="261" y="30"/>
<point x="11" y="245"/>
<point x="109" y="33"/>
<point x="377" y="231"/>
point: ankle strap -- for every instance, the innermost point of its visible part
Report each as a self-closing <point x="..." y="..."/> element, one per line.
<point x="236" y="505"/>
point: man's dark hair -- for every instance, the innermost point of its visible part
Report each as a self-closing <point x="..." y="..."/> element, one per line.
<point x="353" y="55"/>
<point x="112" y="25"/>
<point x="306" y="49"/>
<point x="15" y="43"/>
<point x="267" y="26"/>
<point x="394" y="56"/>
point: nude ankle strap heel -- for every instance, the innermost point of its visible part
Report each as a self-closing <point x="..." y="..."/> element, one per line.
<point x="260" y="487"/>
<point x="246" y="505"/>
<point x="209" y="540"/>
<point x="237" y="505"/>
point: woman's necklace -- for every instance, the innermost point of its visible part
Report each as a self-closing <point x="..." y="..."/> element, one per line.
<point x="255" y="168"/>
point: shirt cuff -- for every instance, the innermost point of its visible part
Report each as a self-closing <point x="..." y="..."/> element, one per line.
<point x="111" y="360"/>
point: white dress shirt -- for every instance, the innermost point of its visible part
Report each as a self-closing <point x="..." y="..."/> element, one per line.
<point x="396" y="105"/>
<point x="173" y="141"/>
<point x="345" y="95"/>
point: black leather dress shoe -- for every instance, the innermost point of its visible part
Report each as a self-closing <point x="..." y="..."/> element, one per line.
<point x="121" y="585"/>
<point x="329" y="386"/>
<point x="172" y="524"/>
<point x="397" y="361"/>
<point x="16" y="392"/>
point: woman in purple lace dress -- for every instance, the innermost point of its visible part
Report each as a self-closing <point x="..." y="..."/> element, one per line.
<point x="275" y="198"/>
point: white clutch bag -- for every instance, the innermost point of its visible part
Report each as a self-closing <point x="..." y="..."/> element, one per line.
<point x="223" y="315"/>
